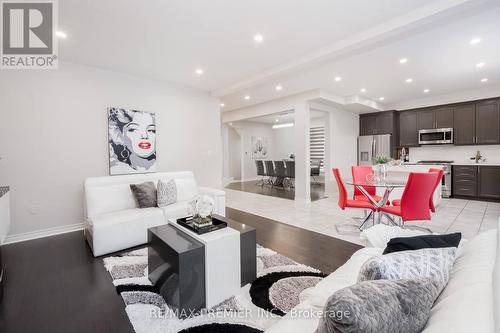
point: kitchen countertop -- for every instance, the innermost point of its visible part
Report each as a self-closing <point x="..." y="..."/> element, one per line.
<point x="3" y="190"/>
<point x="478" y="164"/>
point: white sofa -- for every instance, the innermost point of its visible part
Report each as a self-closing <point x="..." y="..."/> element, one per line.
<point x="112" y="220"/>
<point x="469" y="303"/>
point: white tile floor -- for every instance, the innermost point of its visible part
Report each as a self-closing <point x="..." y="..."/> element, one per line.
<point x="468" y="217"/>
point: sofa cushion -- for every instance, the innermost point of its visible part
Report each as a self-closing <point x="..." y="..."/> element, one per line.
<point x="126" y="216"/>
<point x="435" y="264"/>
<point x="186" y="189"/>
<point x="467" y="302"/>
<point x="389" y="306"/>
<point x="166" y="193"/>
<point x="421" y="242"/>
<point x="176" y="210"/>
<point x="145" y="194"/>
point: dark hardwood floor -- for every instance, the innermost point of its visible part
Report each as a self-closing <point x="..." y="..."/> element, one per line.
<point x="317" y="190"/>
<point x="54" y="284"/>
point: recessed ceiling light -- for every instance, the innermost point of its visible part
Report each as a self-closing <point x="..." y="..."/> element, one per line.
<point x="338" y="78"/>
<point x="426" y="91"/>
<point x="199" y="71"/>
<point x="276" y="120"/>
<point x="409" y="80"/>
<point x="363" y="90"/>
<point x="279" y="88"/>
<point x="403" y="60"/>
<point x="475" y="41"/>
<point x="283" y="125"/>
<point x="247" y="97"/>
<point x="61" y="34"/>
<point x="222" y="105"/>
<point x="480" y="64"/>
<point x="484" y="80"/>
<point x="381" y="98"/>
<point x="258" y="38"/>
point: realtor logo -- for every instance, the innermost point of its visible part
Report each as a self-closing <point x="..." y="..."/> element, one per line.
<point x="28" y="40"/>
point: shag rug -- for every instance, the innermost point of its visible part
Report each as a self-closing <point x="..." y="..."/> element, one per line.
<point x="257" y="306"/>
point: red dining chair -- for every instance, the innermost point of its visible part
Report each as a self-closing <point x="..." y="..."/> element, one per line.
<point x="440" y="173"/>
<point x="415" y="199"/>
<point x="346" y="203"/>
<point x="359" y="174"/>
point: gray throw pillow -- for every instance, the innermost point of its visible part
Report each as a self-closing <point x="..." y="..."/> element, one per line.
<point x="144" y="194"/>
<point x="167" y="193"/>
<point x="424" y="263"/>
<point x="380" y="306"/>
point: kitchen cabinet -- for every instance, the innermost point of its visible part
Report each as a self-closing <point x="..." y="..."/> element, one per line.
<point x="464" y="179"/>
<point x="408" y="128"/>
<point x="375" y="124"/>
<point x="488" y="179"/>
<point x="367" y="124"/>
<point x="440" y="117"/>
<point x="464" y="124"/>
<point x="487" y="122"/>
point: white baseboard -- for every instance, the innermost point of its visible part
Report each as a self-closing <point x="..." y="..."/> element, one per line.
<point x="43" y="233"/>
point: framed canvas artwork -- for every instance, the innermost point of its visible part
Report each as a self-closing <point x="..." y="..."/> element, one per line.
<point x="260" y="147"/>
<point x="132" y="141"/>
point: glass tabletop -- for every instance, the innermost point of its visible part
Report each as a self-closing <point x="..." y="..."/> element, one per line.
<point x="378" y="183"/>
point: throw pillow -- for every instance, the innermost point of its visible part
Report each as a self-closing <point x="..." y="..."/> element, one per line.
<point x="167" y="193"/>
<point x="144" y="194"/>
<point x="435" y="264"/>
<point x="422" y="242"/>
<point x="380" y="306"/>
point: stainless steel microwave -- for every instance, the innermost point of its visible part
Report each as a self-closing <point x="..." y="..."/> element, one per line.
<point x="436" y="136"/>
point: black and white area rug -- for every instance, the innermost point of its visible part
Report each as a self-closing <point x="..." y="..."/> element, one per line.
<point x="277" y="289"/>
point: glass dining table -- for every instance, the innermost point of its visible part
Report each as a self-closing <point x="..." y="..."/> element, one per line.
<point x="388" y="185"/>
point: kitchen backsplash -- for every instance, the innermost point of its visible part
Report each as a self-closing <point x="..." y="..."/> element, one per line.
<point x="458" y="154"/>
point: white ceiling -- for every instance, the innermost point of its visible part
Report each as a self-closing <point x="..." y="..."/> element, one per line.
<point x="306" y="43"/>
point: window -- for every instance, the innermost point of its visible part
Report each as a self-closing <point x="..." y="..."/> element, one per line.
<point x="317" y="145"/>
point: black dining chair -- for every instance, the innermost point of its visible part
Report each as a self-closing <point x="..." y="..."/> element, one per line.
<point x="279" y="169"/>
<point x="315" y="169"/>
<point x="260" y="171"/>
<point x="290" y="173"/>
<point x="270" y="172"/>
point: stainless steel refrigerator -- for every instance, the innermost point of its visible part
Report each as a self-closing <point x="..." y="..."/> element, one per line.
<point x="371" y="146"/>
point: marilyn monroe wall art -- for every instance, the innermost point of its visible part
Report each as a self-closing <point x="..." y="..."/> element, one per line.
<point x="132" y="141"/>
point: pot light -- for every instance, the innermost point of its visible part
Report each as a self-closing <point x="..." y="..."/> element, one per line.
<point x="484" y="80"/>
<point x="475" y="41"/>
<point x="279" y="88"/>
<point x="426" y="91"/>
<point x="283" y="125"/>
<point x="277" y="120"/>
<point x="247" y="97"/>
<point x="199" y="71"/>
<point x="258" y="38"/>
<point x="61" y="34"/>
<point x="409" y="80"/>
<point x="338" y="78"/>
<point x="480" y="64"/>
<point x="403" y="60"/>
<point x="381" y="98"/>
<point x="363" y="90"/>
<point x="222" y="105"/>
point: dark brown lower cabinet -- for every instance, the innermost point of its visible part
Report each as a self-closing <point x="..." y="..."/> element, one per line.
<point x="476" y="182"/>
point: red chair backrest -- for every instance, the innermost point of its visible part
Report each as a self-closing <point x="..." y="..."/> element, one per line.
<point x="359" y="173"/>
<point x="415" y="199"/>
<point x="342" y="188"/>
<point x="440" y="173"/>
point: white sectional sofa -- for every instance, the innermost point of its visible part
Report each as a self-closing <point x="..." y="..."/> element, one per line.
<point x="113" y="221"/>
<point x="469" y="303"/>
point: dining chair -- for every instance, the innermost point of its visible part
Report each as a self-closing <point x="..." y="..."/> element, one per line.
<point x="270" y="173"/>
<point x="290" y="173"/>
<point x="344" y="202"/>
<point x="415" y="200"/>
<point x="260" y="171"/>
<point x="280" y="173"/>
<point x="440" y="173"/>
<point x="360" y="173"/>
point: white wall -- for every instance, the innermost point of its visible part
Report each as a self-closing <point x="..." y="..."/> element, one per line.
<point x="284" y="142"/>
<point x="458" y="154"/>
<point x="53" y="134"/>
<point x="247" y="129"/>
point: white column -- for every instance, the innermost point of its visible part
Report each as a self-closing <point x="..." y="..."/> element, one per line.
<point x="330" y="185"/>
<point x="302" y="160"/>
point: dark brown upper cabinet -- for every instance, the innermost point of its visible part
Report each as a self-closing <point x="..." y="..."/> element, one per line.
<point x="464" y="124"/>
<point x="385" y="123"/>
<point x="441" y="117"/>
<point x="367" y="124"/>
<point x="408" y="128"/>
<point x="487" y="122"/>
<point x="376" y="123"/>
